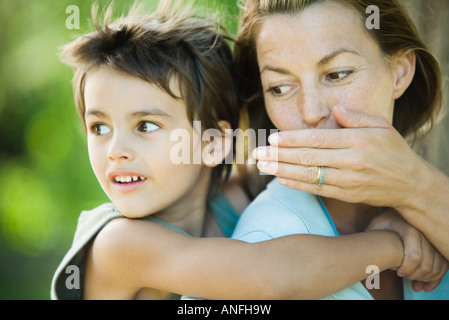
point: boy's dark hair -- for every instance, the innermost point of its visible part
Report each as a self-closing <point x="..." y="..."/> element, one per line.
<point x="171" y="44"/>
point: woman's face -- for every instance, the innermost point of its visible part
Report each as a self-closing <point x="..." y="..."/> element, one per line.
<point x="318" y="59"/>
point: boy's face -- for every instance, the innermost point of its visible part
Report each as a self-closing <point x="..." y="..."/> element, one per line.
<point x="129" y="123"/>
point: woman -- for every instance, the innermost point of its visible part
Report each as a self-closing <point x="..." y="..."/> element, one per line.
<point x="315" y="65"/>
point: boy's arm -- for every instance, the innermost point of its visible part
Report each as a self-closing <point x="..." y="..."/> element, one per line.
<point x="131" y="254"/>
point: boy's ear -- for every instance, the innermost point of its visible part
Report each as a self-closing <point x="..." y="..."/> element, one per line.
<point x="404" y="67"/>
<point x="219" y="145"/>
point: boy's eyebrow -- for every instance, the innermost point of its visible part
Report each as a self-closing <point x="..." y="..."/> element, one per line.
<point x="96" y="113"/>
<point x="150" y="112"/>
<point x="138" y="114"/>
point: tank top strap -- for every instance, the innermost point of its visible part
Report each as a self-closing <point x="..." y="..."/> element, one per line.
<point x="222" y="211"/>
<point x="165" y="224"/>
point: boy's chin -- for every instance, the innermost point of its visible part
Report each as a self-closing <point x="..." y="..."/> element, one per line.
<point x="132" y="213"/>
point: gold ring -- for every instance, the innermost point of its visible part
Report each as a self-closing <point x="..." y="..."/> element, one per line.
<point x="320" y="177"/>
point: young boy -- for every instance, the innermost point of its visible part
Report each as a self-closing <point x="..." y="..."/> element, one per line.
<point x="137" y="82"/>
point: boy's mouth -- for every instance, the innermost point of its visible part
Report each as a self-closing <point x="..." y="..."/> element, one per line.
<point x="128" y="179"/>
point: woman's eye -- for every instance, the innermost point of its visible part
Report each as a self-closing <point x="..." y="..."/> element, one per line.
<point x="147" y="126"/>
<point x="280" y="90"/>
<point x="100" y="129"/>
<point x="338" y="76"/>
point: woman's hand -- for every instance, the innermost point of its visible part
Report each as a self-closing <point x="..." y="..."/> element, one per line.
<point x="422" y="262"/>
<point x="367" y="161"/>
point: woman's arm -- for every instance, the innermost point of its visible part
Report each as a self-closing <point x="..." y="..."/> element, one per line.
<point x="367" y="161"/>
<point x="434" y="266"/>
<point x="428" y="208"/>
<point x="131" y="254"/>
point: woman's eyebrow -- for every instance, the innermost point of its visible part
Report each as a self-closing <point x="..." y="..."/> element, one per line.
<point x="323" y="61"/>
<point x="329" y="57"/>
<point x="274" y="69"/>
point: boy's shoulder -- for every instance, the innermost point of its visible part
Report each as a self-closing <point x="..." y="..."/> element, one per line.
<point x="103" y="210"/>
<point x="90" y="223"/>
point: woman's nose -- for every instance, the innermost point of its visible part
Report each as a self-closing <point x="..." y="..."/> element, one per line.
<point x="313" y="106"/>
<point x="120" y="149"/>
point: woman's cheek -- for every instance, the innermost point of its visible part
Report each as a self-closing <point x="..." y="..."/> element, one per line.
<point x="285" y="116"/>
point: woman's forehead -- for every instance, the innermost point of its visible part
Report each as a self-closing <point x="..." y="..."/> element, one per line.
<point x="331" y="15"/>
<point x="321" y="28"/>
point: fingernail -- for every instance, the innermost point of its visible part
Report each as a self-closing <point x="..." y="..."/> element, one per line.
<point x="268" y="167"/>
<point x="260" y="153"/>
<point x="274" y="139"/>
<point x="263" y="164"/>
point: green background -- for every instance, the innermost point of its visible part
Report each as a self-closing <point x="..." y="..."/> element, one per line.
<point x="45" y="175"/>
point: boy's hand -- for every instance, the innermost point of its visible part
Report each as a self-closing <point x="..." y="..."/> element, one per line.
<point x="422" y="262"/>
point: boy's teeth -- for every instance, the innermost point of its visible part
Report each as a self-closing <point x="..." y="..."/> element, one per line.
<point x="128" y="179"/>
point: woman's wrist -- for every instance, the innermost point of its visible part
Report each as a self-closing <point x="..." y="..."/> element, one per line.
<point x="428" y="189"/>
<point x="427" y="207"/>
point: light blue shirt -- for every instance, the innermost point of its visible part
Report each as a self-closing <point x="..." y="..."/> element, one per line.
<point x="280" y="211"/>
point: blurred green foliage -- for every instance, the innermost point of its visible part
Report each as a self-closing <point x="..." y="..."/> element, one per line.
<point x="45" y="175"/>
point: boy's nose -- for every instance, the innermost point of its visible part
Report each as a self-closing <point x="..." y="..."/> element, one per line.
<point x="120" y="149"/>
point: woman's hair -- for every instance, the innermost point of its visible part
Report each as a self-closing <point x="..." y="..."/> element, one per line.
<point x="170" y="44"/>
<point x="418" y="107"/>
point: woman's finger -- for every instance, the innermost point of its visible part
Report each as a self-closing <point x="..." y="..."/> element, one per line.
<point x="313" y="138"/>
<point x="418" y="285"/>
<point x="326" y="190"/>
<point x="331" y="138"/>
<point x="304" y="174"/>
<point x="353" y="119"/>
<point x="431" y="285"/>
<point x="336" y="158"/>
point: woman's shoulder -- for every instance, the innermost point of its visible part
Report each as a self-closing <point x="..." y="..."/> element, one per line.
<point x="279" y="211"/>
<point x="286" y="200"/>
<point x="269" y="216"/>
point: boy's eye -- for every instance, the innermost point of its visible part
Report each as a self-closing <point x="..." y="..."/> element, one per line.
<point x="100" y="129"/>
<point x="147" y="126"/>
